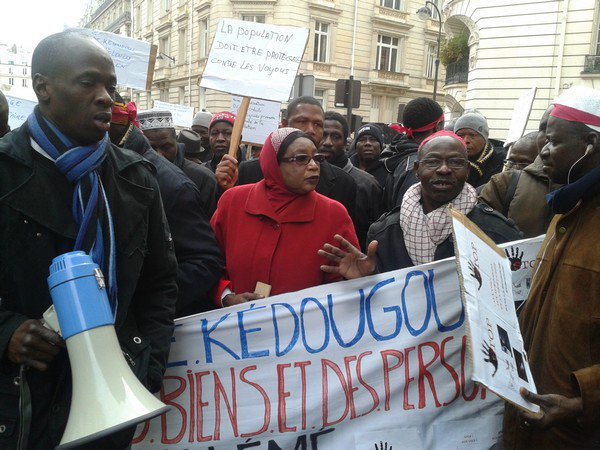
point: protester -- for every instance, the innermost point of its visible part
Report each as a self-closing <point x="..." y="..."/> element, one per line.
<point x="199" y="259"/>
<point x="369" y="142"/>
<point x="270" y="231"/>
<point x="521" y="195"/>
<point x="485" y="160"/>
<point x="522" y="153"/>
<point x="200" y="126"/>
<point x="191" y="142"/>
<point x="420" y="230"/>
<point x="306" y="114"/>
<point x="421" y="118"/>
<point x="4" y="128"/>
<point x="369" y="193"/>
<point x="559" y="322"/>
<point x="158" y="128"/>
<point x="64" y="146"/>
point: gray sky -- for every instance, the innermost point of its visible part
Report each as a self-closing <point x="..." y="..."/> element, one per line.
<point x="26" y="22"/>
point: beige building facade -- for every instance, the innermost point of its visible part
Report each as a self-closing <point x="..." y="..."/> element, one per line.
<point x="515" y="45"/>
<point x="390" y="50"/>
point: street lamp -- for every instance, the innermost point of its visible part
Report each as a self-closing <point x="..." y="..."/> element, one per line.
<point x="425" y="13"/>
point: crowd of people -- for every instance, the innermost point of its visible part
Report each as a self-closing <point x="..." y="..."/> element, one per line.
<point x="190" y="228"/>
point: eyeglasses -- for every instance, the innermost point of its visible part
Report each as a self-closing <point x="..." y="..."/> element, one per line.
<point x="303" y="160"/>
<point x="452" y="163"/>
<point x="517" y="165"/>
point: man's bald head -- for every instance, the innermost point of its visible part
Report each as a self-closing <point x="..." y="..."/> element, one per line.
<point x="52" y="50"/>
<point x="4" y="128"/>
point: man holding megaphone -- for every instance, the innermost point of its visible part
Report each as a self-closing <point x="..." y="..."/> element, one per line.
<point x="65" y="187"/>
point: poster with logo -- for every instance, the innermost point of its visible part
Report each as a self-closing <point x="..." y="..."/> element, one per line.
<point x="497" y="355"/>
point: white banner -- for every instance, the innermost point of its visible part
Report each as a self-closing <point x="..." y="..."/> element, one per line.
<point x="130" y="57"/>
<point x="18" y="110"/>
<point x="254" y="60"/>
<point x="358" y="364"/>
<point x="262" y="119"/>
<point x="182" y="115"/>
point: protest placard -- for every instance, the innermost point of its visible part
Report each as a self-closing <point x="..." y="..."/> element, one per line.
<point x="254" y="59"/>
<point x="520" y="116"/>
<point x="182" y="115"/>
<point x="521" y="255"/>
<point x="134" y="60"/>
<point x="348" y="365"/>
<point x="496" y="348"/>
<point x="262" y="119"/>
<point x="18" y="110"/>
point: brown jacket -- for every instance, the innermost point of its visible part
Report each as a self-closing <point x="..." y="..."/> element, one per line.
<point x="527" y="206"/>
<point x="561" y="329"/>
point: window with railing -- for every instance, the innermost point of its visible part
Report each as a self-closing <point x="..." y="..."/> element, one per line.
<point x="458" y="72"/>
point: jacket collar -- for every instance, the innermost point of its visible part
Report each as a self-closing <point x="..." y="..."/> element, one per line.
<point x="54" y="212"/>
<point x="258" y="204"/>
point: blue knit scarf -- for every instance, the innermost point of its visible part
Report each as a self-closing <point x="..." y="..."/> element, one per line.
<point x="564" y="199"/>
<point x="80" y="165"/>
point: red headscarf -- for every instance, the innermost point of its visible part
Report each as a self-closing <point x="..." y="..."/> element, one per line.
<point x="278" y="194"/>
<point x="123" y="113"/>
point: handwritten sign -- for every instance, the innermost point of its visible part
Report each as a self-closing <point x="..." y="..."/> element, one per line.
<point x="254" y="60"/>
<point x="182" y="115"/>
<point x="262" y="119"/>
<point x="132" y="58"/>
<point x="18" y="110"/>
<point x="496" y="346"/>
<point x="381" y="359"/>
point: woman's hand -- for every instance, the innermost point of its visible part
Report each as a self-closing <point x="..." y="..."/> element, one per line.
<point x="349" y="261"/>
<point x="236" y="299"/>
<point x="226" y="172"/>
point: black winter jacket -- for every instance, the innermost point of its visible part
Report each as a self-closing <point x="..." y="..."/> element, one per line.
<point x="199" y="260"/>
<point x="392" y="253"/>
<point x="36" y="225"/>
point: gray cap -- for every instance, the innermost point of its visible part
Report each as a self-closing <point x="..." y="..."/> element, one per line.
<point x="475" y="122"/>
<point x="202" y="119"/>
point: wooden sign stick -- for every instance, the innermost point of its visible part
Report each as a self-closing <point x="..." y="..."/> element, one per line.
<point x="238" y="126"/>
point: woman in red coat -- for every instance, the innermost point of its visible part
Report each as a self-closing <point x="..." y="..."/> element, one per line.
<point x="271" y="231"/>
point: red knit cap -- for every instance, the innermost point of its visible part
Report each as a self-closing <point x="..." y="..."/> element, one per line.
<point x="224" y="116"/>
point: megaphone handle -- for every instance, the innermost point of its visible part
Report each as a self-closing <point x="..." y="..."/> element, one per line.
<point x="25" y="412"/>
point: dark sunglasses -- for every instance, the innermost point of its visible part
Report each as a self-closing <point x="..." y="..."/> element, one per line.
<point x="303" y="160"/>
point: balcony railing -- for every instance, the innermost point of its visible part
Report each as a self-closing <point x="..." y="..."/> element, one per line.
<point x="457" y="72"/>
<point x="592" y="64"/>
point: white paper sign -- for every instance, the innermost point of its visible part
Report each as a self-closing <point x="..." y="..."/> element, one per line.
<point x="18" y="110"/>
<point x="130" y="57"/>
<point x="496" y="345"/>
<point x="182" y="115"/>
<point x="254" y="59"/>
<point x="520" y="116"/>
<point x="521" y="255"/>
<point x="262" y="119"/>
